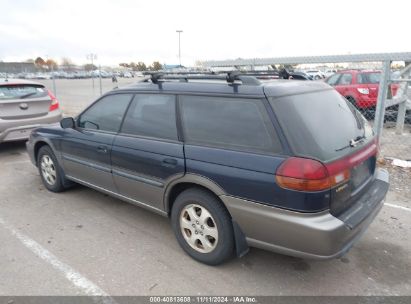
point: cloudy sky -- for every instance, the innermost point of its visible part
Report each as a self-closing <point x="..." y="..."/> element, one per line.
<point x="133" y="30"/>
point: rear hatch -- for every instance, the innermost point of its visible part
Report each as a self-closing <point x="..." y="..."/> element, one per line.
<point x="22" y="101"/>
<point x="321" y="125"/>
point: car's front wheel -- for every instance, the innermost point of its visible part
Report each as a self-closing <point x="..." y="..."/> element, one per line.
<point x="49" y="170"/>
<point x="203" y="227"/>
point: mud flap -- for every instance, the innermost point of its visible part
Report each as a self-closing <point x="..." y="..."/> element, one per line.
<point x="241" y="245"/>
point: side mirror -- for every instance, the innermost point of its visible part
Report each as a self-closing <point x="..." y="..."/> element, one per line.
<point x="67" y="123"/>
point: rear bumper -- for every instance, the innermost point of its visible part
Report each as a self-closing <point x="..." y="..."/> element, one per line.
<point x="306" y="235"/>
<point x="366" y="102"/>
<point x="13" y="130"/>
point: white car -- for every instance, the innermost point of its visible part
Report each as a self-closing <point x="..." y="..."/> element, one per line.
<point x="42" y="76"/>
<point x="127" y="75"/>
<point x="328" y="73"/>
<point x="316" y="74"/>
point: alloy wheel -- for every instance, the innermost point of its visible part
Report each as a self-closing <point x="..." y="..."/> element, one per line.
<point x="48" y="170"/>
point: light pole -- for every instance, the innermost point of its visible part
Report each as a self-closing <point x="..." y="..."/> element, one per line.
<point x="92" y="57"/>
<point x="179" y="45"/>
<point x="52" y="76"/>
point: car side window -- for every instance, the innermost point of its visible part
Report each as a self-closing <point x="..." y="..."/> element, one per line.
<point x="333" y="79"/>
<point x="345" y="79"/>
<point x="233" y="123"/>
<point x="106" y="114"/>
<point x="151" y="115"/>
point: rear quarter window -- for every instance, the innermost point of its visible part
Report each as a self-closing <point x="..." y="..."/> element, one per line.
<point x="22" y="91"/>
<point x="345" y="79"/>
<point x="233" y="123"/>
<point x="368" y="78"/>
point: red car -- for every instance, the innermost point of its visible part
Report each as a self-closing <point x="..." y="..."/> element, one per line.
<point x="360" y="87"/>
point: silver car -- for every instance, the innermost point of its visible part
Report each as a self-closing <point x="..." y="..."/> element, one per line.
<point x="25" y="105"/>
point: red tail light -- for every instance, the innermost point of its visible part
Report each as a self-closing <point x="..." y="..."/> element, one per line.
<point x="304" y="174"/>
<point x="54" y="103"/>
<point x="394" y="88"/>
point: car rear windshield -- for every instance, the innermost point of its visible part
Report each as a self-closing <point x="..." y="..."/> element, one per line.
<point x="22" y="91"/>
<point x="364" y="78"/>
<point x="320" y="124"/>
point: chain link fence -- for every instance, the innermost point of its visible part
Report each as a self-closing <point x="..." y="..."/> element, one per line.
<point x="395" y="137"/>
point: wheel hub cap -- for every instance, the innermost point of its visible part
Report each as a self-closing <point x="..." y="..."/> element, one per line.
<point x="48" y="170"/>
<point x="199" y="228"/>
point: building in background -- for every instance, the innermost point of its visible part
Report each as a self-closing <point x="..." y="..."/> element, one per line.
<point x="17" y="67"/>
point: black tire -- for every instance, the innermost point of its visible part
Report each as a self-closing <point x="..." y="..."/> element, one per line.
<point x="224" y="247"/>
<point x="391" y="113"/>
<point x="59" y="181"/>
<point x="352" y="101"/>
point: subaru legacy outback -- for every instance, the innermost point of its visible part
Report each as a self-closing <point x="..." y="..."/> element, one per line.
<point x="286" y="166"/>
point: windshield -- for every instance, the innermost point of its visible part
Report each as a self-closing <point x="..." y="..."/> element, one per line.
<point x="364" y="78"/>
<point x="321" y="124"/>
<point x="22" y="91"/>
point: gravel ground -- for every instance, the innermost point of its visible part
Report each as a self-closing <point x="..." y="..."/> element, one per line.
<point x="400" y="179"/>
<point x="397" y="146"/>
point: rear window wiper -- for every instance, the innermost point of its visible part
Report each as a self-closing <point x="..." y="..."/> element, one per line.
<point x="28" y="95"/>
<point x="353" y="142"/>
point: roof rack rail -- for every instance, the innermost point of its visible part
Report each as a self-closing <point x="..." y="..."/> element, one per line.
<point x="155" y="77"/>
<point x="233" y="77"/>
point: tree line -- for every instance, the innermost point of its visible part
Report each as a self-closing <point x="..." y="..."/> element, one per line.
<point x="66" y="63"/>
<point x="141" y="66"/>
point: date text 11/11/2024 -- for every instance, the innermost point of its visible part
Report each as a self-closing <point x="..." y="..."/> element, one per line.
<point x="203" y="299"/>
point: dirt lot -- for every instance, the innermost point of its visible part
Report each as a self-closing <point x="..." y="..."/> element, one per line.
<point x="81" y="242"/>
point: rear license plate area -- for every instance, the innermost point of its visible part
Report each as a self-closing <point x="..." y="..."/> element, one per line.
<point x="362" y="172"/>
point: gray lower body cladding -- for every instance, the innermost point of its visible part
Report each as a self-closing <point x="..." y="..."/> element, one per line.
<point x="307" y="235"/>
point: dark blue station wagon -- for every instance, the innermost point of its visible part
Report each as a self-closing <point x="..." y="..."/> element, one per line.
<point x="287" y="166"/>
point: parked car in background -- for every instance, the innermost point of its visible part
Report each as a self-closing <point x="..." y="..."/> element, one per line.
<point x="43" y="76"/>
<point x="328" y="73"/>
<point x="360" y="87"/>
<point x="127" y="75"/>
<point x="286" y="74"/>
<point x="315" y="74"/>
<point x="233" y="162"/>
<point x="25" y="105"/>
<point x="30" y="76"/>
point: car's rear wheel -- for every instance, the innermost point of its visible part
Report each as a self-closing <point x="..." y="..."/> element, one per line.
<point x="203" y="226"/>
<point x="50" y="170"/>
